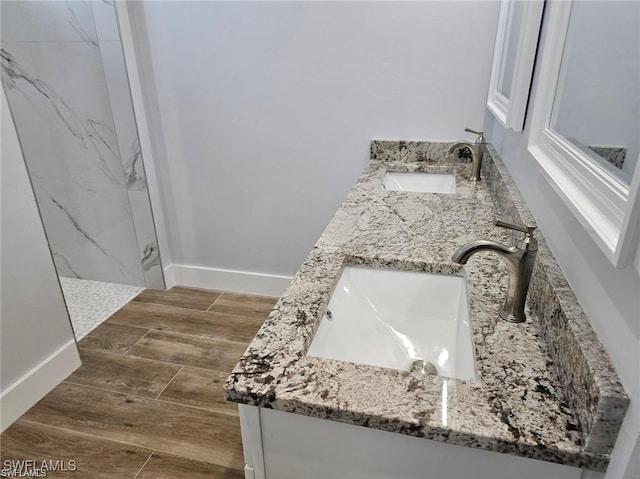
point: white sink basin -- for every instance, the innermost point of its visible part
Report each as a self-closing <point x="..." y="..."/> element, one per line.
<point x="391" y="318"/>
<point x="420" y="182"/>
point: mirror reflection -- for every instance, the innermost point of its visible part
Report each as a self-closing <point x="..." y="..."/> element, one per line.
<point x="597" y="102"/>
<point x="516" y="10"/>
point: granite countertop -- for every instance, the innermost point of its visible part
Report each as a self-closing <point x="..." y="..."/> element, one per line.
<point x="545" y="388"/>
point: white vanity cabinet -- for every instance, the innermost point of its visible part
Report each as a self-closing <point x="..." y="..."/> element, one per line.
<point x="279" y="445"/>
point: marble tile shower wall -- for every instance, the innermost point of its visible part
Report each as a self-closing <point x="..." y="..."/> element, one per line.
<point x="64" y="76"/>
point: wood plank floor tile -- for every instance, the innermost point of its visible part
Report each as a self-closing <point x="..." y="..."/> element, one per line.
<point x="244" y="305"/>
<point x="165" y="466"/>
<point x="105" y="416"/>
<point x="200" y="388"/>
<point x="181" y="296"/>
<point x="186" y="321"/>
<point x="179" y="430"/>
<point x="94" y="458"/>
<point x="112" y="337"/>
<point x="124" y="374"/>
<point x="189" y="350"/>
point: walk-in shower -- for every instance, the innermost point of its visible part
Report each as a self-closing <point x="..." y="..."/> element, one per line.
<point x="64" y="76"/>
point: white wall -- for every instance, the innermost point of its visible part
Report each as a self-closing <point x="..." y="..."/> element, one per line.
<point x="37" y="346"/>
<point x="609" y="296"/>
<point x="267" y="110"/>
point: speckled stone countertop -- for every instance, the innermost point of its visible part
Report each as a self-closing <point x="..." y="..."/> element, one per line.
<point x="545" y="388"/>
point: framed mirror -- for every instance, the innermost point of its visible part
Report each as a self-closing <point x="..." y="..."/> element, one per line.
<point x="513" y="59"/>
<point x="585" y="131"/>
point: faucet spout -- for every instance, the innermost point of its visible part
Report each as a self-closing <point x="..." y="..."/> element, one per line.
<point x="464" y="252"/>
<point x="477" y="149"/>
<point x="460" y="144"/>
<point x="519" y="259"/>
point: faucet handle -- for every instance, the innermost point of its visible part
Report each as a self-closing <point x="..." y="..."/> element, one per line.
<point x="527" y="230"/>
<point x="480" y="134"/>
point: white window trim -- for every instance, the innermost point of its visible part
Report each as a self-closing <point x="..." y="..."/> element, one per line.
<point x="510" y="111"/>
<point x="605" y="206"/>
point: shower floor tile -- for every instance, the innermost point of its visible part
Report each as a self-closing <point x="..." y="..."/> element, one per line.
<point x="91" y="302"/>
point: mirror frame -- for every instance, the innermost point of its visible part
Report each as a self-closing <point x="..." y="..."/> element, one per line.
<point x="607" y="207"/>
<point x="510" y="111"/>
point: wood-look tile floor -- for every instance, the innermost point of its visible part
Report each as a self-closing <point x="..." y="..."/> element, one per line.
<point x="147" y="402"/>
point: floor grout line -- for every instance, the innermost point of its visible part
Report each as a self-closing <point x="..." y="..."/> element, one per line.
<point x="163" y="401"/>
<point x="215" y="411"/>
<point x="204" y="369"/>
<point x="207" y="310"/>
<point x="160" y="361"/>
<point x="124" y="443"/>
<point x="145" y="463"/>
<point x="168" y="331"/>
<point x="185" y="309"/>
<point x="170" y="381"/>
<point x="243" y="316"/>
<point x="121" y="355"/>
<point x="216" y="300"/>
<point x="82" y="433"/>
<point x="233" y="317"/>
<point x="130" y="444"/>
<point x="165" y="305"/>
<point x="103" y="389"/>
<point x="134" y="344"/>
<point x="245" y="343"/>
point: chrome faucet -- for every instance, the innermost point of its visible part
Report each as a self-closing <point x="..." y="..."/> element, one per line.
<point x="519" y="259"/>
<point x="477" y="149"/>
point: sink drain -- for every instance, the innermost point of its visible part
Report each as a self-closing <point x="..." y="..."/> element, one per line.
<point x="421" y="366"/>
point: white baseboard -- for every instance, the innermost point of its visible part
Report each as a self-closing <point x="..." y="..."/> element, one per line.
<point x="169" y="277"/>
<point x="226" y="280"/>
<point x="37" y="383"/>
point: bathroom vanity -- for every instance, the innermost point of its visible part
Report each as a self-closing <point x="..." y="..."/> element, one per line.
<point x="541" y="398"/>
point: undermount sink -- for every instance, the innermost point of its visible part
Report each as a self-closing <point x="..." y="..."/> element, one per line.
<point x="390" y="318"/>
<point x="419" y="182"/>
